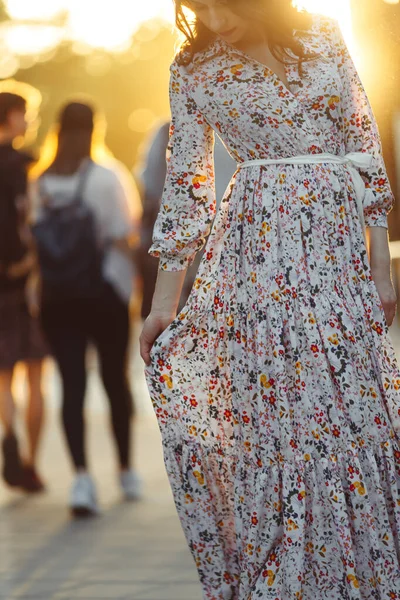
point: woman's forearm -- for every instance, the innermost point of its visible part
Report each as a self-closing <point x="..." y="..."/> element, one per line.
<point x="379" y="252"/>
<point x="167" y="292"/>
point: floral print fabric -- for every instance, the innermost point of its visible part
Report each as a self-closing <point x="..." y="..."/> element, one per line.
<point x="276" y="386"/>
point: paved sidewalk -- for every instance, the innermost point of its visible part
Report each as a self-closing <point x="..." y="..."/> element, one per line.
<point x="133" y="551"/>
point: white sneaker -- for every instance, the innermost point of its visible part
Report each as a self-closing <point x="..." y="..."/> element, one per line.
<point x="131" y="485"/>
<point x="83" y="499"/>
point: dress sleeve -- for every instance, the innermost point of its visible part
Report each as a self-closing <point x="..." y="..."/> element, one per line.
<point x="188" y="203"/>
<point x="361" y="134"/>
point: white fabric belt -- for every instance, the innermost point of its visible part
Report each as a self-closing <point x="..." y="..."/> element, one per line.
<point x="353" y="160"/>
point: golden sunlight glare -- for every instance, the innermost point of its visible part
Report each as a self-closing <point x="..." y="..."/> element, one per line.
<point x="339" y="10"/>
<point x="97" y="24"/>
<point x="110" y="25"/>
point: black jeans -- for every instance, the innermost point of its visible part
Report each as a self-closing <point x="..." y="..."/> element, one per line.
<point x="69" y="327"/>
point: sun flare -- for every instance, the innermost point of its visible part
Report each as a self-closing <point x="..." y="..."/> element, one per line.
<point x="110" y="26"/>
<point x="36" y="29"/>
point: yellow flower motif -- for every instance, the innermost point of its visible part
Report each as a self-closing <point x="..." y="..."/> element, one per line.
<point x="236" y="68"/>
<point x="292" y="525"/>
<point x="199" y="476"/>
<point x="334" y="339"/>
<point x="305" y="199"/>
<point x="167" y="379"/>
<point x="360" y="488"/>
<point x="247" y="446"/>
<point x="264" y="380"/>
<point x="253" y="277"/>
<point x="176" y="86"/>
<point x="307" y="457"/>
<point x="309" y="547"/>
<point x="249" y="549"/>
<point x="188" y="499"/>
<point x="271" y="578"/>
<point x="230" y="321"/>
<point x="199" y="179"/>
<point x="353" y="579"/>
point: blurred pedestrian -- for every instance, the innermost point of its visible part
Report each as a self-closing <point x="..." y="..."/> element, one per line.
<point x="20" y="335"/>
<point x="83" y="228"/>
<point x="152" y="178"/>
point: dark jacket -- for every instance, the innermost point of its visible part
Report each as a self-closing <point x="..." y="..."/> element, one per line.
<point x="13" y="211"/>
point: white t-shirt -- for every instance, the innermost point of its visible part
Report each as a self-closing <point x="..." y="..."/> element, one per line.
<point x="107" y="196"/>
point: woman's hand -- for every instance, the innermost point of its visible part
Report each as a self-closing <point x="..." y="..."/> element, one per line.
<point x="154" y="325"/>
<point x="387" y="295"/>
<point x="379" y="256"/>
<point x="163" y="310"/>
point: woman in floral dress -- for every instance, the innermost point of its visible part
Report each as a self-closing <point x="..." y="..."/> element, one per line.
<point x="276" y="386"/>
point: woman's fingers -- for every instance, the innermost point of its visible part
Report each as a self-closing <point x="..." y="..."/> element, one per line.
<point x="152" y="329"/>
<point x="390" y="312"/>
<point x="145" y="349"/>
<point x="387" y="296"/>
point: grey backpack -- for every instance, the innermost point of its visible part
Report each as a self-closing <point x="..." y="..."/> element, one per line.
<point x="70" y="256"/>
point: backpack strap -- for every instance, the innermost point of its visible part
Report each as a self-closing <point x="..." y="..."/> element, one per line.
<point x="84" y="176"/>
<point x="78" y="194"/>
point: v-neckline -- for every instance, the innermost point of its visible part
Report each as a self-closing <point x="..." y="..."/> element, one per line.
<point x="274" y="76"/>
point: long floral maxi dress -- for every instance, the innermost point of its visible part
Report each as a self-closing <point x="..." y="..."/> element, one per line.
<point x="275" y="387"/>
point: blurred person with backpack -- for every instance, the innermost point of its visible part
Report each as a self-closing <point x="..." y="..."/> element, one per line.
<point x="20" y="335"/>
<point x="82" y="227"/>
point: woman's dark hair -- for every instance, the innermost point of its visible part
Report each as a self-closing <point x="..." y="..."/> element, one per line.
<point x="8" y="103"/>
<point x="279" y="17"/>
<point x="74" y="138"/>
